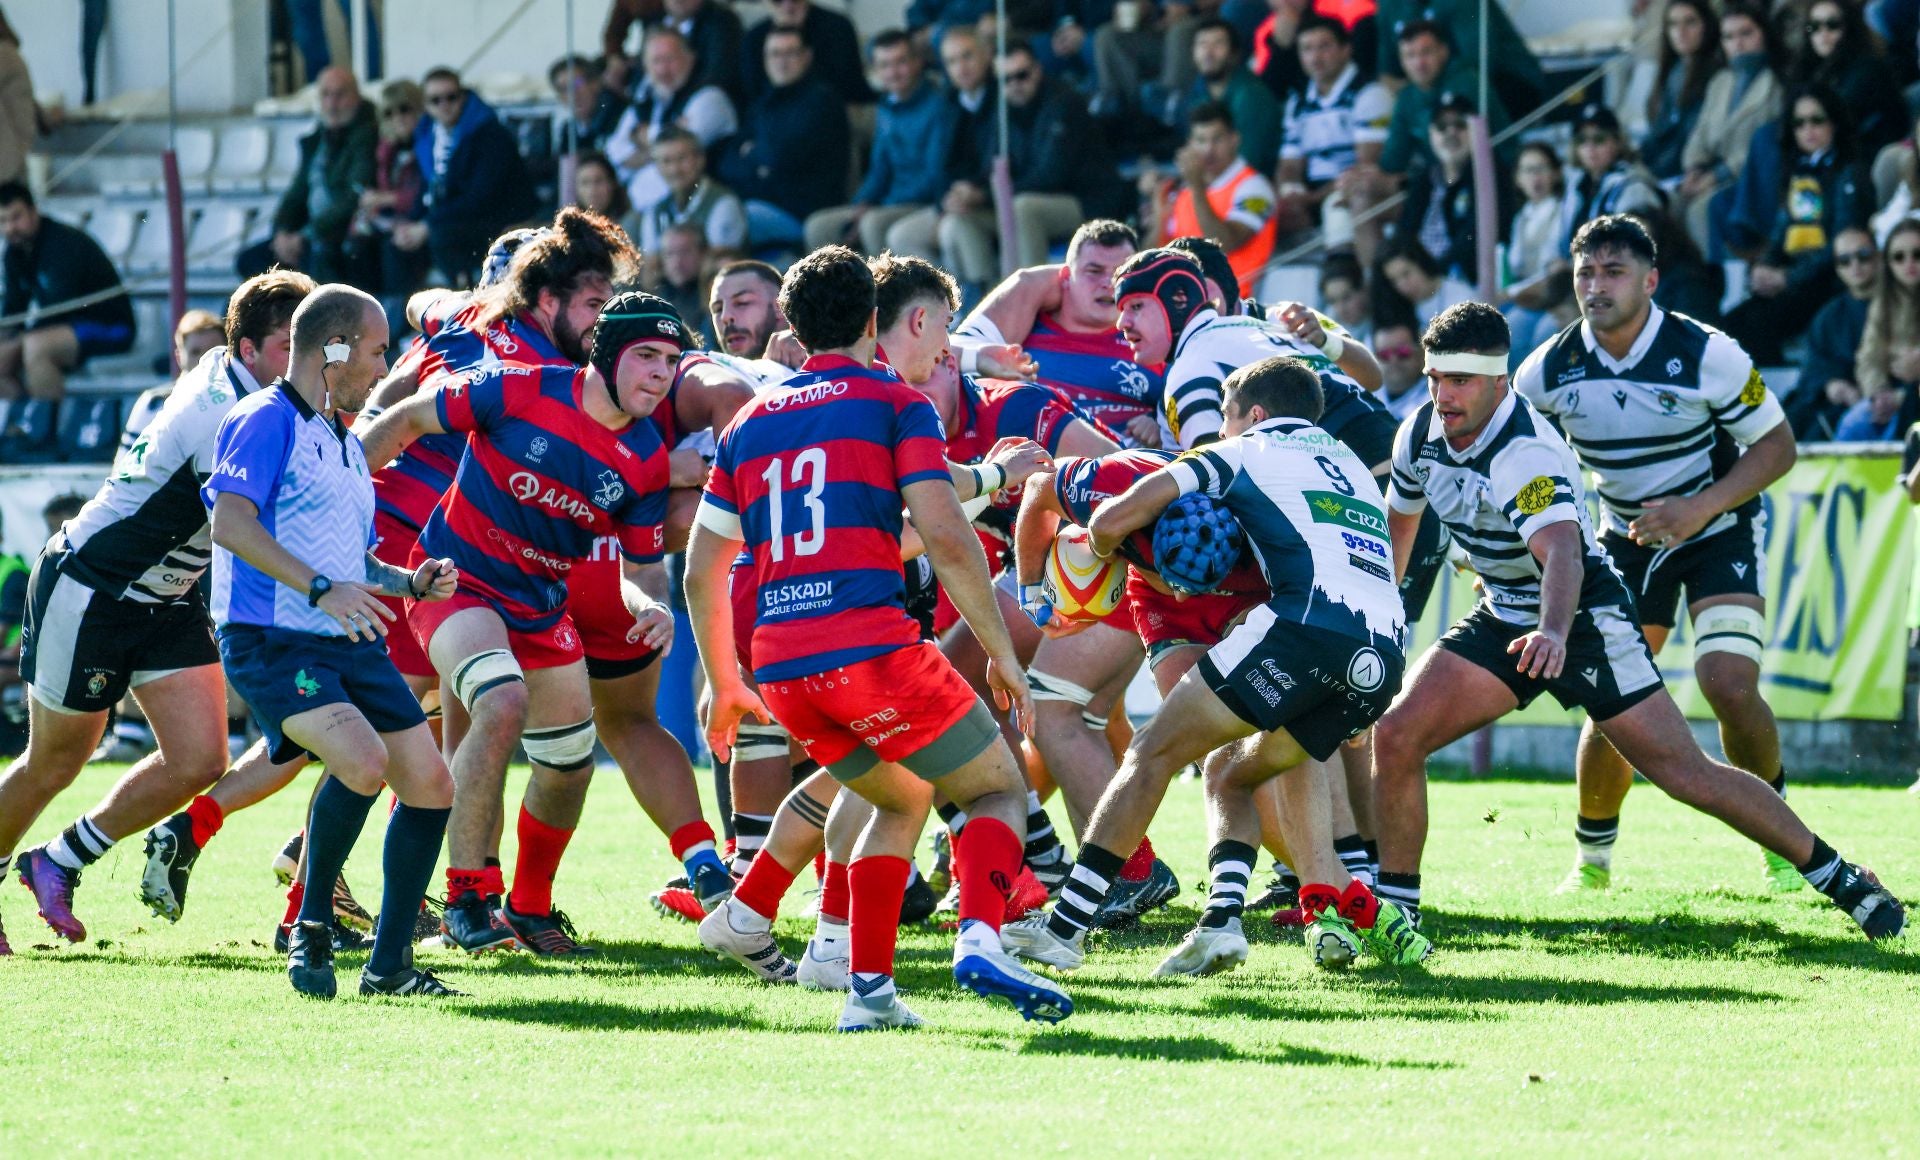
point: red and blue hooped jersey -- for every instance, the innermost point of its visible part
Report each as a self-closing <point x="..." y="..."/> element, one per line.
<point x="811" y="472"/>
<point x="408" y="488"/>
<point x="994" y="410"/>
<point x="540" y="482"/>
<point x="1096" y="372"/>
<point x="1082" y="484"/>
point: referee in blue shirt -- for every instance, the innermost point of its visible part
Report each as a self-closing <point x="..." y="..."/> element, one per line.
<point x="302" y="633"/>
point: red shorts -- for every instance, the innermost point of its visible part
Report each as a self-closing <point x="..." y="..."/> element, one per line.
<point x="1165" y="622"/>
<point x="550" y="648"/>
<point x="395" y="546"/>
<point x="593" y="601"/>
<point x="894" y="704"/>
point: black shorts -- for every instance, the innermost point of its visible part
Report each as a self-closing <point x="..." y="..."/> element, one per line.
<point x="1727" y="563"/>
<point x="1609" y="667"/>
<point x="81" y="650"/>
<point x="1430" y="546"/>
<point x="1369" y="435"/>
<point x="1322" y="687"/>
<point x="613" y="670"/>
<point x="283" y="673"/>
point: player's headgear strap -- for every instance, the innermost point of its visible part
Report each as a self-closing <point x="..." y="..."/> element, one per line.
<point x="630" y="317"/>
<point x="1196" y="542"/>
<point x="1169" y="277"/>
<point x="1465" y="362"/>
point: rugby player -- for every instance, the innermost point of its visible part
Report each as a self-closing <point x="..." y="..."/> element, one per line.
<point x="114" y="603"/>
<point x="811" y="479"/>
<point x="555" y="460"/>
<point x="1681" y="435"/>
<point x="292" y="507"/>
<point x="1555" y="617"/>
<point x="1314" y="665"/>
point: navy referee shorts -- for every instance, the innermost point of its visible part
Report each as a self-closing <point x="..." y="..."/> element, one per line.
<point x="283" y="673"/>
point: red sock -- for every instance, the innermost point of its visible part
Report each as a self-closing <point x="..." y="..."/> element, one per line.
<point x="493" y="880"/>
<point x="687" y="837"/>
<point x="836" y="895"/>
<point x="1140" y="865"/>
<point x="461" y="881"/>
<point x="1358" y="905"/>
<point x="988" y="853"/>
<point x="204" y="815"/>
<point x="764" y="886"/>
<point x="877" y="884"/>
<point x="820" y="866"/>
<point x="295" y="896"/>
<point x="541" y="847"/>
<point x="1316" y="897"/>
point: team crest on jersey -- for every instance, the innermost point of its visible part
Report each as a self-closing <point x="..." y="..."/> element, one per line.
<point x="1755" y="392"/>
<point x="96" y="682"/>
<point x="1673" y="366"/>
<point x="610" y="490"/>
<point x="1669" y="402"/>
<point x="1535" y="497"/>
<point x="537" y="448"/>
<point x="1132" y="378"/>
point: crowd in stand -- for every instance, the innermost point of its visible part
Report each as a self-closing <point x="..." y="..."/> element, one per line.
<point x="1771" y="146"/>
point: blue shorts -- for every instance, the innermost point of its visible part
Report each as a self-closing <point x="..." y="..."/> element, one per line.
<point x="283" y="673"/>
<point x="98" y="338"/>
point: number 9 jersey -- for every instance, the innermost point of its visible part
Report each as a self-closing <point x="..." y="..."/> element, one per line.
<point x="809" y="475"/>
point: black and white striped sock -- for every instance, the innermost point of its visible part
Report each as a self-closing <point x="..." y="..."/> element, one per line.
<point x="1596" y="837"/>
<point x="1231" y="865"/>
<point x="1041" y="840"/>
<point x="749" y="835"/>
<point x="1821" y="866"/>
<point x="1085" y="891"/>
<point x="79" y="845"/>
<point x="1352" y="851"/>
<point x="953" y="816"/>
<point x="1403" y="890"/>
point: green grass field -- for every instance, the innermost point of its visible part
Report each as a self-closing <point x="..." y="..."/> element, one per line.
<point x="1687" y="1012"/>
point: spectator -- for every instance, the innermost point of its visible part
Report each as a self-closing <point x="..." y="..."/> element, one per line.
<point x="676" y="271"/>
<point x="1689" y="284"/>
<point x="311" y="222"/>
<point x="1431" y="68"/>
<point x="1605" y="178"/>
<point x="1535" y="280"/>
<point x="971" y="89"/>
<point x="1829" y="382"/>
<point x="1516" y="78"/>
<point x="1823" y="192"/>
<point x="1222" y="76"/>
<point x="1887" y="366"/>
<point x="622" y="15"/>
<point x="476" y="183"/>
<point x="1896" y="184"/>
<point x="790" y="161"/>
<point x="710" y="29"/>
<point x="912" y="142"/>
<point x="591" y="104"/>
<point x="1740" y="98"/>
<point x="1276" y="57"/>
<point x="1441" y="209"/>
<point x="1421" y="282"/>
<point x="1840" y="53"/>
<point x="929" y="21"/>
<point x="692" y="198"/>
<point x="670" y="94"/>
<point x="1217" y="195"/>
<point x="19" y="116"/>
<point x="197" y="332"/>
<point x="1689" y="59"/>
<point x="1403" y="375"/>
<point x="1147" y="41"/>
<point x="1334" y="121"/>
<point x="49" y="263"/>
<point x="1061" y="172"/>
<point x="387" y="245"/>
<point x="596" y="187"/>
<point x="1343" y="289"/>
<point x="828" y="34"/>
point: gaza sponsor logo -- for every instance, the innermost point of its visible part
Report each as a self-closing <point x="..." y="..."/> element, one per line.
<point x="801" y="396"/>
<point x="1328" y="507"/>
<point x="526" y="488"/>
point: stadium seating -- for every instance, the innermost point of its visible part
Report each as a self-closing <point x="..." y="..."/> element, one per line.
<point x="241" y="157"/>
<point x="90" y="427"/>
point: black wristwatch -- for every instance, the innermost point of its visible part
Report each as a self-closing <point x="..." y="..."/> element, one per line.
<point x="320" y="587"/>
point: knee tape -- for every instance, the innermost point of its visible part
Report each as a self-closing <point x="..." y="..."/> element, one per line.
<point x="1730" y="628"/>
<point x="1051" y="688"/>
<point x="483" y="671"/>
<point x="568" y="748"/>
<point x="757" y="742"/>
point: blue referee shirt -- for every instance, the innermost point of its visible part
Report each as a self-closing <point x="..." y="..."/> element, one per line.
<point x="308" y="476"/>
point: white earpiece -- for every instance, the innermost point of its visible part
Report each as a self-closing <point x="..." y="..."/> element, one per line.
<point x="336" y="352"/>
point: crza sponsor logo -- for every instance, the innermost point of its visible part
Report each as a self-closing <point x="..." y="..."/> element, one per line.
<point x="526" y="488"/>
<point x="800" y="396"/>
<point x="789" y="593"/>
<point x="1329" y="507"/>
<point x="1363" y="544"/>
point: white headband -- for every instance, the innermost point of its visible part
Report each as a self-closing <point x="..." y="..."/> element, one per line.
<point x="1466" y="363"/>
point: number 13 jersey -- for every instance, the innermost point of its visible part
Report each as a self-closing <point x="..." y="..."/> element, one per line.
<point x="810" y="476"/>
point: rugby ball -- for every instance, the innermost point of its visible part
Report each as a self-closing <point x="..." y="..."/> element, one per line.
<point x="1079" y="584"/>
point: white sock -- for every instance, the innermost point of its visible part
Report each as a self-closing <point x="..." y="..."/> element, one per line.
<point x="828" y="933"/>
<point x="744" y="920"/>
<point x="976" y="936"/>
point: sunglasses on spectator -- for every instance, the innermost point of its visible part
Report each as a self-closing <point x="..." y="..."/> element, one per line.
<point x="1396" y="353"/>
<point x="1020" y="76"/>
<point x="443" y="99"/>
<point x="1804" y="122"/>
<point x="1832" y="25"/>
<point x="1853" y="257"/>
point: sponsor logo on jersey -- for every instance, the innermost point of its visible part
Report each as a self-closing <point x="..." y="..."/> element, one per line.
<point x="1367" y="671"/>
<point x="610" y="489"/>
<point x="1329" y="507"/>
<point x="1535" y="497"/>
<point x="1362" y="544"/>
<point x="1370" y="567"/>
<point x="537" y="448"/>
<point x="801" y="396"/>
<point x="1669" y="402"/>
<point x="526" y="488"/>
<point x="1572" y="375"/>
<point x="1620" y="399"/>
<point x="1755" y="392"/>
<point x="1283" y="679"/>
<point x="1673" y="366"/>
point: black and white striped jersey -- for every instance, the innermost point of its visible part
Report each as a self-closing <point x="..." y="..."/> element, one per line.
<point x="1517" y="477"/>
<point x="1213" y="346"/>
<point x="145" y="537"/>
<point x="1669" y="419"/>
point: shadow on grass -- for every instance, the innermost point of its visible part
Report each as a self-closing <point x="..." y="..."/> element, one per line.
<point x="1203" y="1049"/>
<point x="602" y="1015"/>
<point x="1674" y="935"/>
